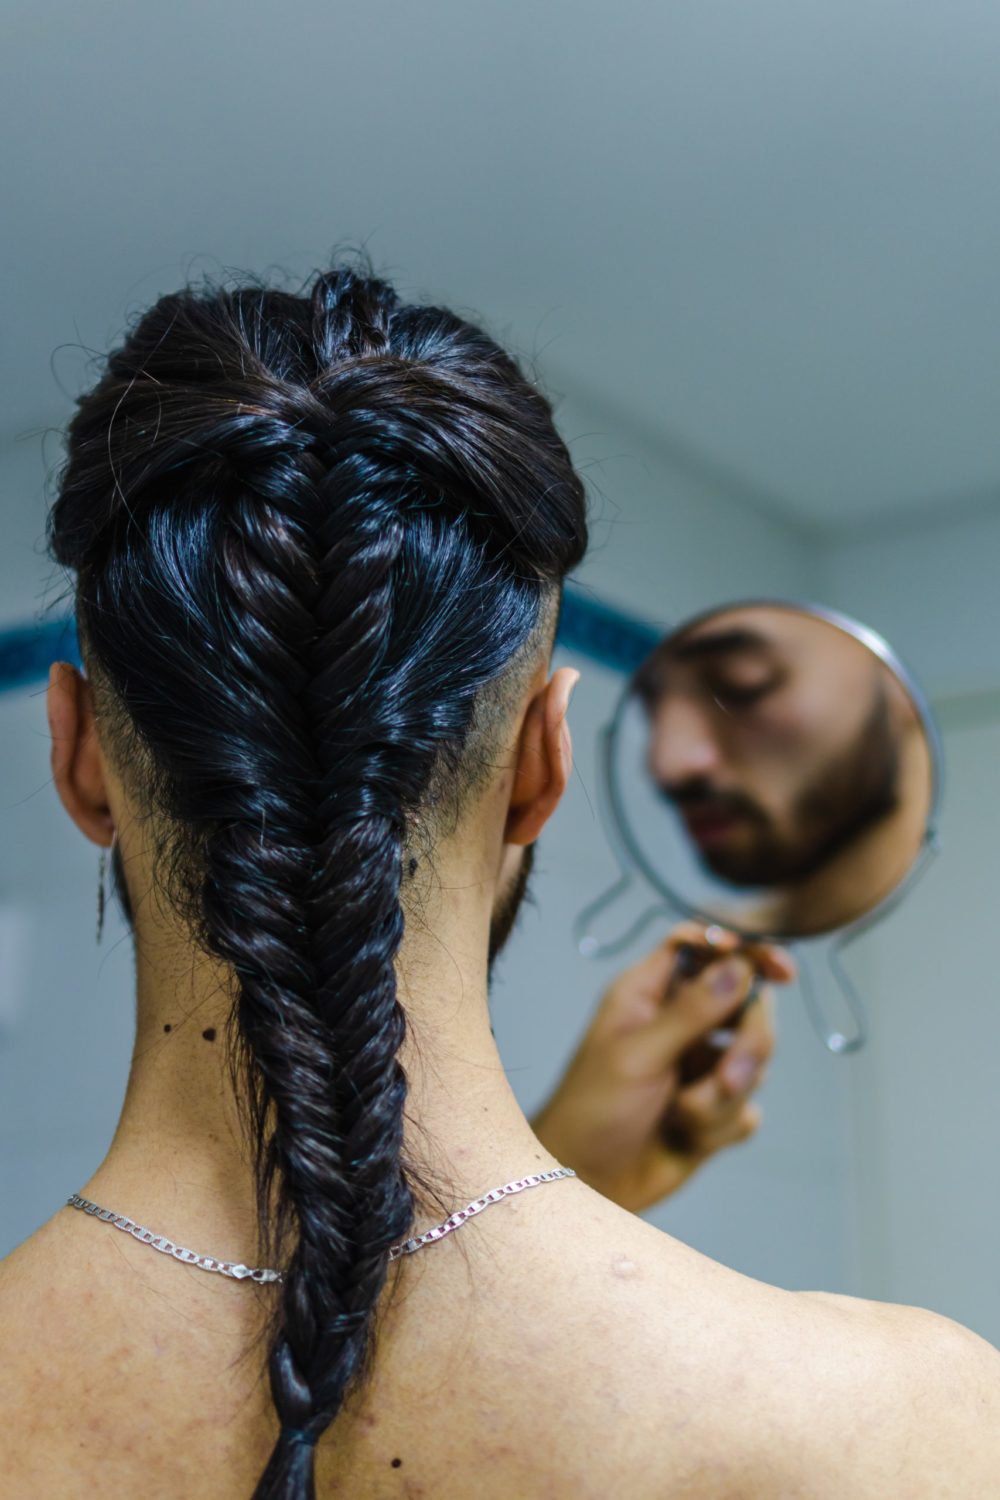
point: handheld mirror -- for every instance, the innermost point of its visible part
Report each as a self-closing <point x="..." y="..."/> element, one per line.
<point x="771" y="768"/>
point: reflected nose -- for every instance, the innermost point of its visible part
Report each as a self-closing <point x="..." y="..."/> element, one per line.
<point x="681" y="746"/>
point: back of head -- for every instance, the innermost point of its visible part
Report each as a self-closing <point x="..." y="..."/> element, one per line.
<point x="315" y="539"/>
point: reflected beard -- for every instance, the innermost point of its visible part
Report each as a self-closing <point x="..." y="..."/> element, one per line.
<point x="508" y="906"/>
<point x="850" y="795"/>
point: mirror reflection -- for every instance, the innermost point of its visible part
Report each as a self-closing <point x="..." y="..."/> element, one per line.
<point x="773" y="769"/>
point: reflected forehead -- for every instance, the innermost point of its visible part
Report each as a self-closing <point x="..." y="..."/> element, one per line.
<point x="720" y="640"/>
<point x="767" y="635"/>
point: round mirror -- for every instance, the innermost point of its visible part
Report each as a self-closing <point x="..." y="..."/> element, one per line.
<point x="773" y="768"/>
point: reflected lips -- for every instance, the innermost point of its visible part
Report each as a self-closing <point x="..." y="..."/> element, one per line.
<point x="709" y="826"/>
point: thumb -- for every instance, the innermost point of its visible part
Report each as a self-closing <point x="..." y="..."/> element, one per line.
<point x="695" y="1006"/>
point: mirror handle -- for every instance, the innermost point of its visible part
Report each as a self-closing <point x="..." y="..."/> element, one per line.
<point x="833" y="1039"/>
<point x="591" y="946"/>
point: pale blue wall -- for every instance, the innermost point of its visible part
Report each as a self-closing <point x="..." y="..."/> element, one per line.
<point x="925" y="1116"/>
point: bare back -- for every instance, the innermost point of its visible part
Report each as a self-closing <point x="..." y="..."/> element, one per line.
<point x="539" y="1353"/>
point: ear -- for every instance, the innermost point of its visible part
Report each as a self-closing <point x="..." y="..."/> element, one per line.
<point x="76" y="760"/>
<point x="544" y="759"/>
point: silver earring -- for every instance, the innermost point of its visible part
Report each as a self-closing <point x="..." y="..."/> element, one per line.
<point x="102" y="872"/>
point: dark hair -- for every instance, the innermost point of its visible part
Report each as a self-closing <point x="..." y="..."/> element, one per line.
<point x="318" y="539"/>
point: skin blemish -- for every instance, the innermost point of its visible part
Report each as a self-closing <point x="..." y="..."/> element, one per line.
<point x="397" y="1463"/>
<point x="209" y="1034"/>
<point x="624" y="1268"/>
<point x="413" y="866"/>
<point x="168" y="1027"/>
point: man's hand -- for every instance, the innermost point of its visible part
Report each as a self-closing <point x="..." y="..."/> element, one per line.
<point x="607" y="1117"/>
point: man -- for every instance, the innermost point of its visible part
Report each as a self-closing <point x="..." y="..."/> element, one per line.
<point x="556" y="1345"/>
<point x="319" y="544"/>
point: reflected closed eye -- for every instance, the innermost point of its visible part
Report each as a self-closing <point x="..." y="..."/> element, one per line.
<point x="735" y="695"/>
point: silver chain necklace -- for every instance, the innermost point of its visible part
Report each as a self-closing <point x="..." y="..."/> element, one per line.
<point x="262" y="1274"/>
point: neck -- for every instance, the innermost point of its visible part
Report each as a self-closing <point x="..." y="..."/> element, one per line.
<point x="178" y="1161"/>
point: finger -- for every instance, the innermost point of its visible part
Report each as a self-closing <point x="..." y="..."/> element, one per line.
<point x="695" y="1006"/>
<point x="709" y="940"/>
<point x="749" y="1046"/>
<point x="656" y="969"/>
<point x="740" y="1073"/>
<point x="715" y="1099"/>
<point x="753" y="1037"/>
<point x="695" y="946"/>
<point x="739" y="1127"/>
<point x="758" y="1021"/>
<point x="640" y="990"/>
<point x="772" y="962"/>
<point x="704" y="934"/>
<point x="712" y="1101"/>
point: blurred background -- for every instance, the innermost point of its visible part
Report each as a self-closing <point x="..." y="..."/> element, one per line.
<point x="751" y="251"/>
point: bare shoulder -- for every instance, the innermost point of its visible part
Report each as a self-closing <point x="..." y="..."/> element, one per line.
<point x="852" y="1397"/>
<point x="923" y="1393"/>
<point x="764" y="1392"/>
<point x="581" y="1356"/>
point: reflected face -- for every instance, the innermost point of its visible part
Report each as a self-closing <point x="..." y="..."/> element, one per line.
<point x="775" y="736"/>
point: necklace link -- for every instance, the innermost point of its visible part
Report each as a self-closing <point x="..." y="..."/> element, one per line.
<point x="236" y="1270"/>
<point x="263" y="1274"/>
<point x="476" y="1207"/>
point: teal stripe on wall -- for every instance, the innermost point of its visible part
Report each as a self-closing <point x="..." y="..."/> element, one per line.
<point x="599" y="631"/>
<point x="27" y="651"/>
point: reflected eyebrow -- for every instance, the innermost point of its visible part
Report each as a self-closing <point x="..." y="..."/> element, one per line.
<point x="720" y="644"/>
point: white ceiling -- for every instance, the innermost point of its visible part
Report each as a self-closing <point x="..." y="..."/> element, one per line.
<point x="768" y="230"/>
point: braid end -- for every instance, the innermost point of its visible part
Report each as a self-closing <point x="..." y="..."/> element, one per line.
<point x="291" y="1469"/>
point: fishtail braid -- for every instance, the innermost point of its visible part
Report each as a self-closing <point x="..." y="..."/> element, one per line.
<point x="312" y="536"/>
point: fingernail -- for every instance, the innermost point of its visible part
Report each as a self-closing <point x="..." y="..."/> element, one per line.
<point x="741" y="1070"/>
<point x="730" y="978"/>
